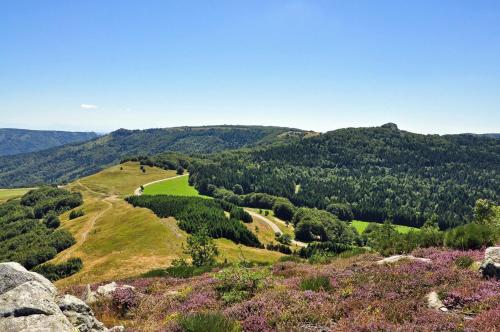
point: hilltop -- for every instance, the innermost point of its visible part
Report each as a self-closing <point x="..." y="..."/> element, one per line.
<point x="15" y="141"/>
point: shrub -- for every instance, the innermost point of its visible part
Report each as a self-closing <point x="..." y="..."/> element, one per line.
<point x="316" y="283"/>
<point x="208" y="322"/>
<point x="470" y="236"/>
<point x="283" y="209"/>
<point x="180" y="170"/>
<point x="76" y="214"/>
<point x="238" y="283"/>
<point x="342" y="211"/>
<point x="52" y="221"/>
<point x="280" y="248"/>
<point x="123" y="300"/>
<point x="55" y="272"/>
<point x="284" y="239"/>
<point x="463" y="262"/>
<point x="202" y="249"/>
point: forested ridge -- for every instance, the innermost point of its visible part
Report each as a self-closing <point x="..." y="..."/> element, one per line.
<point x="69" y="162"/>
<point x="380" y="172"/>
<point x="14" y="141"/>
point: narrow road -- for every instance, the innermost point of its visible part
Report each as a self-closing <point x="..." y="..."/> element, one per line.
<point x="273" y="226"/>
<point x="138" y="191"/>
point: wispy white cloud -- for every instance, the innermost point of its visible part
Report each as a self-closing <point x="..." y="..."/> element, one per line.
<point x="88" y="106"/>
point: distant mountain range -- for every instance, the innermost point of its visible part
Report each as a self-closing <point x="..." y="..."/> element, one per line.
<point x="15" y="141"/>
<point x="71" y="161"/>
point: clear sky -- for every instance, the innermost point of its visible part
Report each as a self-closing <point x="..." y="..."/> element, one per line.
<point x="429" y="66"/>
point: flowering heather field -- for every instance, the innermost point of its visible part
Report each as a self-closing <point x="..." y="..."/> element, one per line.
<point x="351" y="294"/>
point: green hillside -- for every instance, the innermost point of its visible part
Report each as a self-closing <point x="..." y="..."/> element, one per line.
<point x="66" y="163"/>
<point x="14" y="141"/>
<point x="380" y="172"/>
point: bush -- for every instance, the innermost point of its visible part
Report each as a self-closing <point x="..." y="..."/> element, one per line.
<point x="237" y="283"/>
<point x="470" y="236"/>
<point x="76" y="214"/>
<point x="284" y="239"/>
<point x="284" y="209"/>
<point x="180" y="170"/>
<point x="202" y="249"/>
<point x="291" y="258"/>
<point x="316" y="284"/>
<point x="208" y="322"/>
<point x="52" y="221"/>
<point x="463" y="262"/>
<point x="342" y="211"/>
<point x="280" y="248"/>
<point x="55" y="272"/>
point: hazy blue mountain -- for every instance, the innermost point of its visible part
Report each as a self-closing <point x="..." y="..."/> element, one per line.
<point x="14" y="141"/>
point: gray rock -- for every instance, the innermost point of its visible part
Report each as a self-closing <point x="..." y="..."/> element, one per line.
<point x="28" y="303"/>
<point x="108" y="289"/>
<point x="397" y="258"/>
<point x="14" y="274"/>
<point x="30" y="298"/>
<point x="79" y="314"/>
<point x="89" y="297"/>
<point x="490" y="267"/>
<point x="39" y="323"/>
<point x="434" y="302"/>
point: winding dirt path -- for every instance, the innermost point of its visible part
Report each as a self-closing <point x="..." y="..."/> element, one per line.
<point x="97" y="216"/>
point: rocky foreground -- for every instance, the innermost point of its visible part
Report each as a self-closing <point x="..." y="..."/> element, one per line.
<point x="30" y="302"/>
<point x="430" y="290"/>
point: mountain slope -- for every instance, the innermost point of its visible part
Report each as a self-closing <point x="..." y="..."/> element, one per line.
<point x="379" y="172"/>
<point x="14" y="141"/>
<point x="116" y="240"/>
<point x="62" y="164"/>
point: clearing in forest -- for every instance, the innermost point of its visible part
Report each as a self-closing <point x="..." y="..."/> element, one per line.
<point x="361" y="226"/>
<point x="6" y="194"/>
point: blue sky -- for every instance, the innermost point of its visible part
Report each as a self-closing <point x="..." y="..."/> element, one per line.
<point x="429" y="66"/>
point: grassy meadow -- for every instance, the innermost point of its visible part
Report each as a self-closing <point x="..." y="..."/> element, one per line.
<point x="361" y="226"/>
<point x="178" y="186"/>
<point x="6" y="194"/>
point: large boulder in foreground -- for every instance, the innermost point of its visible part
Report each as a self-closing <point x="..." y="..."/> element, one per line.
<point x="490" y="267"/>
<point x="29" y="302"/>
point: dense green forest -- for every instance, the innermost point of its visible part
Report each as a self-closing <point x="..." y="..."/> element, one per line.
<point x="66" y="163"/>
<point x="29" y="231"/>
<point x="379" y="173"/>
<point x="14" y="141"/>
<point x="195" y="213"/>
